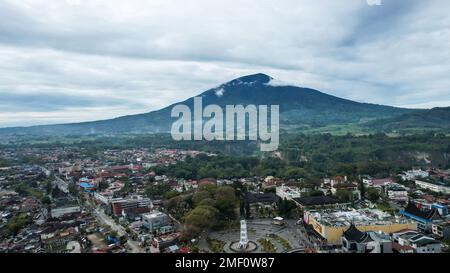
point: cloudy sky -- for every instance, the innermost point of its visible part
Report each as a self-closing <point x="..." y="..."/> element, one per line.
<point x="80" y="60"/>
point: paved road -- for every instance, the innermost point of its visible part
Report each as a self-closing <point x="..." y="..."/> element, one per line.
<point x="300" y="232"/>
<point x="105" y="219"/>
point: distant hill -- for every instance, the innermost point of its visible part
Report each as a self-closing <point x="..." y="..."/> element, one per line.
<point x="300" y="108"/>
<point x="432" y="119"/>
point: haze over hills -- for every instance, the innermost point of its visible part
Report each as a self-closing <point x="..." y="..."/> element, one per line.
<point x="300" y="109"/>
<point x="432" y="119"/>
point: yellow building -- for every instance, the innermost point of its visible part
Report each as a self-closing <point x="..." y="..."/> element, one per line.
<point x="331" y="224"/>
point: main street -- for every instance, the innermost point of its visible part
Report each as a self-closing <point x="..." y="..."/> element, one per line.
<point x="300" y="232"/>
<point x="105" y="219"/>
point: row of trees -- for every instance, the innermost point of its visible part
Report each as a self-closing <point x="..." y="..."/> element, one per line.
<point x="212" y="208"/>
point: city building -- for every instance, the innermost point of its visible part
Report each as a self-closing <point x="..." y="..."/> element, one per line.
<point x="155" y="221"/>
<point x="288" y="193"/>
<point x="165" y="241"/>
<point x="331" y="224"/>
<point x="423" y="217"/>
<point x="257" y="201"/>
<point x="414" y="174"/>
<point x="434" y="187"/>
<point x="356" y="241"/>
<point x="119" y="204"/>
<point x="64" y="206"/>
<point x="396" y="192"/>
<point x="441" y="229"/>
<point x="417" y="241"/>
<point x="319" y="202"/>
<point x="377" y="183"/>
<point x="65" y="210"/>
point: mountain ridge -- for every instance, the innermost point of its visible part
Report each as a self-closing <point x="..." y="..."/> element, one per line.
<point x="299" y="106"/>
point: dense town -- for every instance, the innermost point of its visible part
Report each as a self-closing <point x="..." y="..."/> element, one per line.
<point x="64" y="200"/>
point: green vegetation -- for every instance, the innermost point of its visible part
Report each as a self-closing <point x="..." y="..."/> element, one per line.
<point x="157" y="190"/>
<point x="26" y="190"/>
<point x="281" y="240"/>
<point x="15" y="224"/>
<point x="267" y="245"/>
<point x="215" y="246"/>
<point x="5" y="163"/>
<point x="310" y="157"/>
<point x="417" y="121"/>
<point x="373" y="194"/>
<point x="386" y="207"/>
<point x="211" y="207"/>
<point x="344" y="195"/>
<point x="286" y="207"/>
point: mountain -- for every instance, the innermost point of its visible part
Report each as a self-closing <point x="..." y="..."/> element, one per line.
<point x="300" y="108"/>
<point x="429" y="119"/>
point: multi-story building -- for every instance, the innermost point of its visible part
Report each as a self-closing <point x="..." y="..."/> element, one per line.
<point x="288" y="193"/>
<point x="417" y="241"/>
<point x="119" y="204"/>
<point x="65" y="210"/>
<point x="397" y="192"/>
<point x="356" y="241"/>
<point x="331" y="224"/>
<point x="414" y="174"/>
<point x="155" y="221"/>
<point x="377" y="183"/>
<point x="319" y="202"/>
<point x="434" y="187"/>
<point x="441" y="229"/>
<point x="423" y="217"/>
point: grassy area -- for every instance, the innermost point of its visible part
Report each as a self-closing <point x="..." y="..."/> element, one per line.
<point x="267" y="245"/>
<point x="286" y="245"/>
<point x="215" y="246"/>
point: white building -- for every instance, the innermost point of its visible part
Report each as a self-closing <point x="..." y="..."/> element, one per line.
<point x="155" y="221"/>
<point x="288" y="193"/>
<point x="102" y="198"/>
<point x="433" y="187"/>
<point x="58" y="212"/>
<point x="414" y="174"/>
<point x="397" y="192"/>
<point x="419" y="242"/>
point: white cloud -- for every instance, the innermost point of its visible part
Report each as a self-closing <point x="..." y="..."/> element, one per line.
<point x="142" y="55"/>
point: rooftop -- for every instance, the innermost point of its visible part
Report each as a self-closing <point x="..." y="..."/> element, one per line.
<point x="362" y="217"/>
<point x="318" y="200"/>
<point x="261" y="198"/>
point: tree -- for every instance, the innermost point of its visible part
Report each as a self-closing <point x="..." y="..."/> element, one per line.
<point x="48" y="187"/>
<point x="171" y="194"/>
<point x="285" y="208"/>
<point x="344" y="195"/>
<point x="46" y="200"/>
<point x="156" y="190"/>
<point x="123" y="240"/>
<point x="362" y="189"/>
<point x="207" y="202"/>
<point x="316" y="193"/>
<point x="103" y="185"/>
<point x="226" y="202"/>
<point x="73" y="189"/>
<point x="16" y="223"/>
<point x="200" y="196"/>
<point x="199" y="219"/>
<point x="373" y="194"/>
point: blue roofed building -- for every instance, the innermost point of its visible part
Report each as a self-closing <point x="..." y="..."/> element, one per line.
<point x="423" y="217"/>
